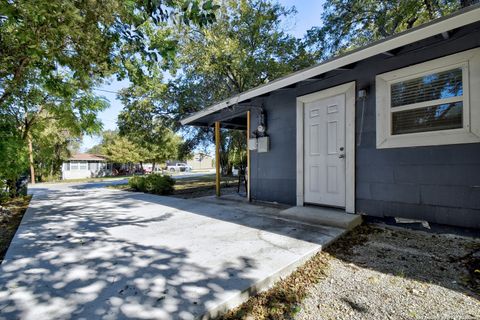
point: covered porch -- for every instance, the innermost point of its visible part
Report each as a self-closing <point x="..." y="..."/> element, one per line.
<point x="237" y="117"/>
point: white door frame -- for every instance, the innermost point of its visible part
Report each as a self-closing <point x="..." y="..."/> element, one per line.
<point x="349" y="90"/>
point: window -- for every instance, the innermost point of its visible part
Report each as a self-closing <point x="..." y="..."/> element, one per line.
<point x="83" y="165"/>
<point x="430" y="103"/>
<point x="93" y="166"/>
<point x="74" y="165"/>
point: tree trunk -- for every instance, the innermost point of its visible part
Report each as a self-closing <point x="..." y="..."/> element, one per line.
<point x="30" y="156"/>
<point x="153" y="167"/>
<point x="430" y="9"/>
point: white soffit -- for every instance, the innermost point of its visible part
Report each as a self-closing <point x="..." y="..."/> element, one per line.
<point x="439" y="26"/>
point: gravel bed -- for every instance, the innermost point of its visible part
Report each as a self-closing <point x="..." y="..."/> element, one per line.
<point x="379" y="272"/>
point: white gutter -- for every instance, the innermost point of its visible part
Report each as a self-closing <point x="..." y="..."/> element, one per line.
<point x="460" y="19"/>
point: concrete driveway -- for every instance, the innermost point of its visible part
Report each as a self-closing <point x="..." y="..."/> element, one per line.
<point x="87" y="252"/>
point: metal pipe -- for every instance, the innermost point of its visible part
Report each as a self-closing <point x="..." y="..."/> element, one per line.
<point x="248" y="158"/>
<point x="217" y="158"/>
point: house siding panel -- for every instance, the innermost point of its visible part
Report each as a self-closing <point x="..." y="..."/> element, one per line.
<point x="435" y="183"/>
<point x="274" y="179"/>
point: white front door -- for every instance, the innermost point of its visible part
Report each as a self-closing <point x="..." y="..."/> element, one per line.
<point x="324" y="151"/>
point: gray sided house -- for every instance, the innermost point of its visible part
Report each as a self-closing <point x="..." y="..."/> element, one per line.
<point x="85" y="165"/>
<point x="388" y="130"/>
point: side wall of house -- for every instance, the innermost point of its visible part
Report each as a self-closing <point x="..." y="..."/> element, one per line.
<point x="440" y="184"/>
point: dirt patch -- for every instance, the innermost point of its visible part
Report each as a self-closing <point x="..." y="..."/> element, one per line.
<point x="11" y="214"/>
<point x="199" y="192"/>
<point x="283" y="300"/>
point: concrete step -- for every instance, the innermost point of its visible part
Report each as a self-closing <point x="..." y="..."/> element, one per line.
<point x="322" y="216"/>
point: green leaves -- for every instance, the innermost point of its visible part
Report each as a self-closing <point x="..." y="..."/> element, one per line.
<point x="348" y="24"/>
<point x="198" y="12"/>
<point x="120" y="149"/>
<point x="54" y="52"/>
<point x="13" y="151"/>
<point x="85" y="40"/>
<point x="246" y="47"/>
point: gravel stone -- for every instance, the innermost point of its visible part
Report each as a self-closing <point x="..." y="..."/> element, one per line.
<point x="379" y="272"/>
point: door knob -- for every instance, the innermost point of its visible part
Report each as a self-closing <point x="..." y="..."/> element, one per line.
<point x="341" y="155"/>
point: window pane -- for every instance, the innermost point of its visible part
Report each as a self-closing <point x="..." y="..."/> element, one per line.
<point x="92" y="166"/>
<point x="83" y="165"/>
<point x="74" y="165"/>
<point x="445" y="84"/>
<point x="441" y="117"/>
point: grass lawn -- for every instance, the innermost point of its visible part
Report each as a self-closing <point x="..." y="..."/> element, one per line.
<point x="11" y="213"/>
<point x="194" y="187"/>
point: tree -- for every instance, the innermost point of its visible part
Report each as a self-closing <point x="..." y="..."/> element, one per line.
<point x="233" y="151"/>
<point x="52" y="145"/>
<point x="246" y="47"/>
<point x="348" y="24"/>
<point x="140" y="124"/>
<point x="56" y="101"/>
<point x="13" y="155"/>
<point x="96" y="149"/>
<point x="53" y="52"/>
<point x="88" y="39"/>
<point x="121" y="150"/>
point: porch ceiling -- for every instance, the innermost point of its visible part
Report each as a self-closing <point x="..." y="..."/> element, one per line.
<point x="234" y="117"/>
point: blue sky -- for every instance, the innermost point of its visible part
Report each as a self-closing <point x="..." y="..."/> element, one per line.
<point x="308" y="15"/>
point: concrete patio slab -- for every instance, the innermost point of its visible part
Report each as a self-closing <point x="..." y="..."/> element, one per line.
<point x="311" y="215"/>
<point x="87" y="252"/>
<point x="322" y="216"/>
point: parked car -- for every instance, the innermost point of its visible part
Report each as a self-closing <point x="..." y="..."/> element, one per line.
<point x="179" y="167"/>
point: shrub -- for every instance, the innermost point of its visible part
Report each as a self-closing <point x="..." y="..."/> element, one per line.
<point x="137" y="183"/>
<point x="154" y="183"/>
<point x="159" y="184"/>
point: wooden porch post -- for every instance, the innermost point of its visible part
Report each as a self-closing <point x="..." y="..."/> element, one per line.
<point x="217" y="158"/>
<point x="248" y="157"/>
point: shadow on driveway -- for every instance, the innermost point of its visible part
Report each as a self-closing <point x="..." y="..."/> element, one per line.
<point x="106" y="254"/>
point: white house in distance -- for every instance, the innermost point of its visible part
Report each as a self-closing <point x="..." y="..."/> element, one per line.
<point x="84" y="165"/>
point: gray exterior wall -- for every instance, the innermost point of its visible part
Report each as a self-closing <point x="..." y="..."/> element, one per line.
<point x="439" y="184"/>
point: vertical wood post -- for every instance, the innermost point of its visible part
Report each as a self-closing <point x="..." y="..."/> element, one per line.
<point x="248" y="158"/>
<point x="217" y="158"/>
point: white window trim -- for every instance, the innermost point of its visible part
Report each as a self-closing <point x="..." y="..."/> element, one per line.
<point x="74" y="165"/>
<point x="469" y="61"/>
<point x="349" y="90"/>
<point x="83" y="165"/>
